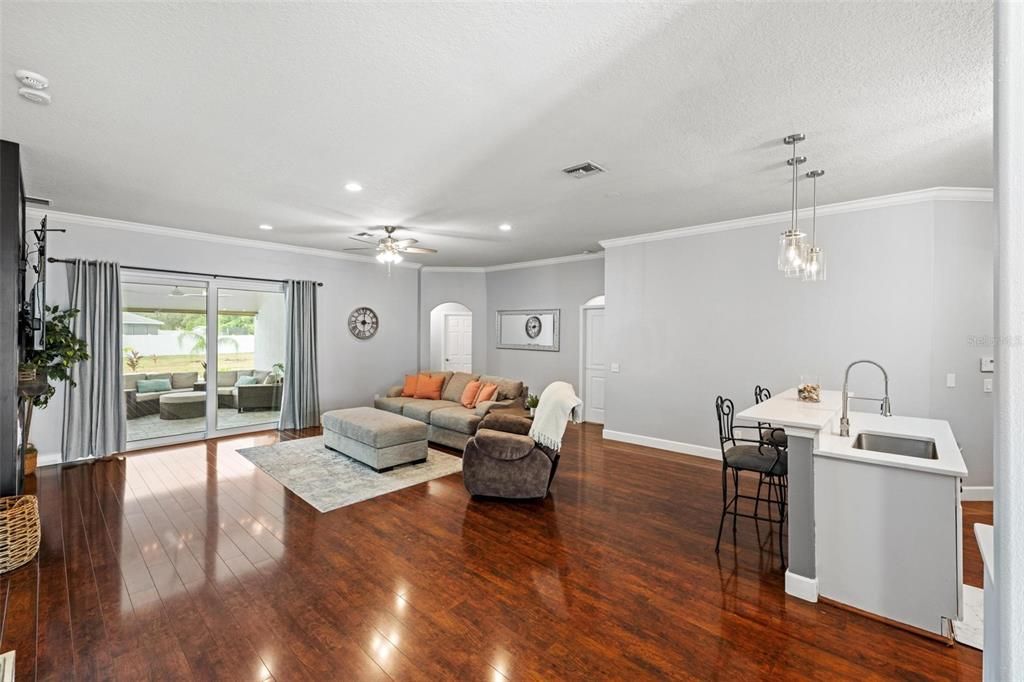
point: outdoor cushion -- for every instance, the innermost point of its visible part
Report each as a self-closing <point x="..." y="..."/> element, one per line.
<point x="184" y="379"/>
<point x="421" y="409"/>
<point x="375" y="428"/>
<point x="393" y="404"/>
<point x="227" y="378"/>
<point x="153" y="385"/>
<point x="456" y="385"/>
<point x="461" y="419"/>
<point x="131" y="379"/>
<point x="225" y="390"/>
<point x="246" y="381"/>
<point x="507" y="388"/>
<point x="260" y="375"/>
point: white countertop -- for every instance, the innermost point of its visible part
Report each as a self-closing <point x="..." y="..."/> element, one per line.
<point x="950" y="461"/>
<point x="786" y="409"/>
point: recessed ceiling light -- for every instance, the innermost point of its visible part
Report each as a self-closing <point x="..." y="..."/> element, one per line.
<point x="353" y="187"/>
<point x="504" y="227"/>
<point x="264" y="226"/>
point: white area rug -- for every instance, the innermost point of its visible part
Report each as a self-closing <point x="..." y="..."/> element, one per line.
<point x="328" y="480"/>
<point x="971" y="630"/>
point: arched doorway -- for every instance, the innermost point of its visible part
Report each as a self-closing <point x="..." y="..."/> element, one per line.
<point x="593" y="360"/>
<point x="451" y="337"/>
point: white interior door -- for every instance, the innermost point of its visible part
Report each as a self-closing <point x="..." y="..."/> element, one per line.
<point x="595" y="365"/>
<point x="458" y="342"/>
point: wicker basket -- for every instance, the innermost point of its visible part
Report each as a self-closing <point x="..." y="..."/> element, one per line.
<point x="19" y="531"/>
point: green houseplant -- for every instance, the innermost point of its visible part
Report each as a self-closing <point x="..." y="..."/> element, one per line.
<point x="531" y="402"/>
<point x="48" y="365"/>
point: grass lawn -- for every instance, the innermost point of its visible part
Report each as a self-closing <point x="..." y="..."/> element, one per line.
<point x="191" y="363"/>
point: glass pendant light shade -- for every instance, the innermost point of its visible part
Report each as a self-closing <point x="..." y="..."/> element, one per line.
<point x="814" y="267"/>
<point x="792" y="252"/>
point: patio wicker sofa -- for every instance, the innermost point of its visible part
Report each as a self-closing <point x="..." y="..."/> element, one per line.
<point x="259" y="396"/>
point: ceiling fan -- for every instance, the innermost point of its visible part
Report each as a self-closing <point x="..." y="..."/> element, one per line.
<point x="178" y="292"/>
<point x="389" y="250"/>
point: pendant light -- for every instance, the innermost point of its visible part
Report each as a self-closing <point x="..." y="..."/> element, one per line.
<point x="814" y="265"/>
<point x="792" y="246"/>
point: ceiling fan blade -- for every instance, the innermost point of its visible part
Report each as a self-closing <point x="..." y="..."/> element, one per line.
<point x="364" y="248"/>
<point x="418" y="249"/>
<point x="402" y="243"/>
<point x="363" y="241"/>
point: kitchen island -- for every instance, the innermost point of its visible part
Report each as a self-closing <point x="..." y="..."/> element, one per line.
<point x="868" y="527"/>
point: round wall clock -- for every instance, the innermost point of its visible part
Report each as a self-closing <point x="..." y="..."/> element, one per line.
<point x="533" y="326"/>
<point x="363" y="323"/>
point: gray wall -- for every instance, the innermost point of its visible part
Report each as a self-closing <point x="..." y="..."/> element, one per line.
<point x="690" y="318"/>
<point x="466" y="287"/>
<point x="565" y="286"/>
<point x="351" y="371"/>
<point x="962" y="328"/>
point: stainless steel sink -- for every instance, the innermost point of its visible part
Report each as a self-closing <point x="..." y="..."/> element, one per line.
<point x="895" y="445"/>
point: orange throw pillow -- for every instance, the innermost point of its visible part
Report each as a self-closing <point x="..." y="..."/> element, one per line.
<point x="486" y="393"/>
<point x="469" y="395"/>
<point x="429" y="386"/>
<point x="409" y="389"/>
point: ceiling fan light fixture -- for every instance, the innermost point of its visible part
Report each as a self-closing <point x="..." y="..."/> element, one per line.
<point x="504" y="227"/>
<point x="266" y="226"/>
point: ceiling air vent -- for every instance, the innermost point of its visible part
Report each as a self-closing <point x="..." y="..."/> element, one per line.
<point x="583" y="170"/>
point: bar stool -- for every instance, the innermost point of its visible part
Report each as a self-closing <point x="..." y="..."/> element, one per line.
<point x="761" y="455"/>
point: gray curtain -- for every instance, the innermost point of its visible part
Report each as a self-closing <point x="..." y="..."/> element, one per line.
<point x="300" y="401"/>
<point x="94" y="419"/>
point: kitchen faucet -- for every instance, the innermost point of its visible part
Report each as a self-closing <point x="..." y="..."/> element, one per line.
<point x="844" y="423"/>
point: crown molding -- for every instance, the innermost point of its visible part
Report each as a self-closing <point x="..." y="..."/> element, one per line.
<point x="916" y="196"/>
<point x="128" y="226"/>
<point x="516" y="266"/>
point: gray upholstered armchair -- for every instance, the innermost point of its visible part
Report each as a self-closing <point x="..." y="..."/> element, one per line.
<point x="501" y="460"/>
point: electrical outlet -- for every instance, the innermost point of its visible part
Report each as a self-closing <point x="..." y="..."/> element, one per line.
<point x="988" y="385"/>
<point x="951" y="380"/>
<point x="615" y="367"/>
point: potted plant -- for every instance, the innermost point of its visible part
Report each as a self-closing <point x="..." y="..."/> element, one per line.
<point x="278" y="371"/>
<point x="52" y="363"/>
<point x="531" y="403"/>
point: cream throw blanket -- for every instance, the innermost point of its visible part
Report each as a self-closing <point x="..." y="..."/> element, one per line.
<point x="558" y="405"/>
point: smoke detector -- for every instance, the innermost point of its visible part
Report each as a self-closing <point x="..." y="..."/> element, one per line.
<point x="582" y="170"/>
<point x="32" y="79"/>
<point x="37" y="96"/>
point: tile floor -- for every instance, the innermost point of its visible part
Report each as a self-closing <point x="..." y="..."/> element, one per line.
<point x="152" y="426"/>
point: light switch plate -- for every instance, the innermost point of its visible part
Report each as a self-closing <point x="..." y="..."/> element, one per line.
<point x="988" y="364"/>
<point x="988" y="385"/>
<point x="951" y="380"/>
<point x="615" y="367"/>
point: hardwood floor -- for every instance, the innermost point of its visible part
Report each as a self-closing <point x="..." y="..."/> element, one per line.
<point x="188" y="562"/>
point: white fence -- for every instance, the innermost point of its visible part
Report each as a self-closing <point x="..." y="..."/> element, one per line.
<point x="173" y="343"/>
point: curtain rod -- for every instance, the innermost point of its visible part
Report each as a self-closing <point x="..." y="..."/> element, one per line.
<point x="185" y="272"/>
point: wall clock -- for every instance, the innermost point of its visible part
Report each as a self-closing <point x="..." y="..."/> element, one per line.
<point x="533" y="326"/>
<point x="363" y="323"/>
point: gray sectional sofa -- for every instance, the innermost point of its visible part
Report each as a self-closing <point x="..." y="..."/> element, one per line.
<point x="449" y="423"/>
<point x="259" y="396"/>
<point x="140" y="404"/>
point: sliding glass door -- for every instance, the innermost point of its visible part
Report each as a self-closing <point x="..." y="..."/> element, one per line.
<point x="163" y="326"/>
<point x="250" y="356"/>
<point x="181" y="385"/>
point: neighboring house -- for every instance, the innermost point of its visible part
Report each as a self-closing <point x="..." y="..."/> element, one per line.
<point x="133" y="324"/>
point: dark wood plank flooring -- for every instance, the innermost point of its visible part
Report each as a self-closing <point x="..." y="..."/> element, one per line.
<point x="189" y="562"/>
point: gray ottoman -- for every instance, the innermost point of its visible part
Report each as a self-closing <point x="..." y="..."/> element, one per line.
<point x="186" y="405"/>
<point x="379" y="439"/>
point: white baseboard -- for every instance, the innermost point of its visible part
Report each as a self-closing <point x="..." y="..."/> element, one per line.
<point x="663" y="444"/>
<point x="977" y="493"/>
<point x="801" y="587"/>
<point x="48" y="459"/>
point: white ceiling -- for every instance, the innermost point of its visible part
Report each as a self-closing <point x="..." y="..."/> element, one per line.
<point x="458" y="117"/>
